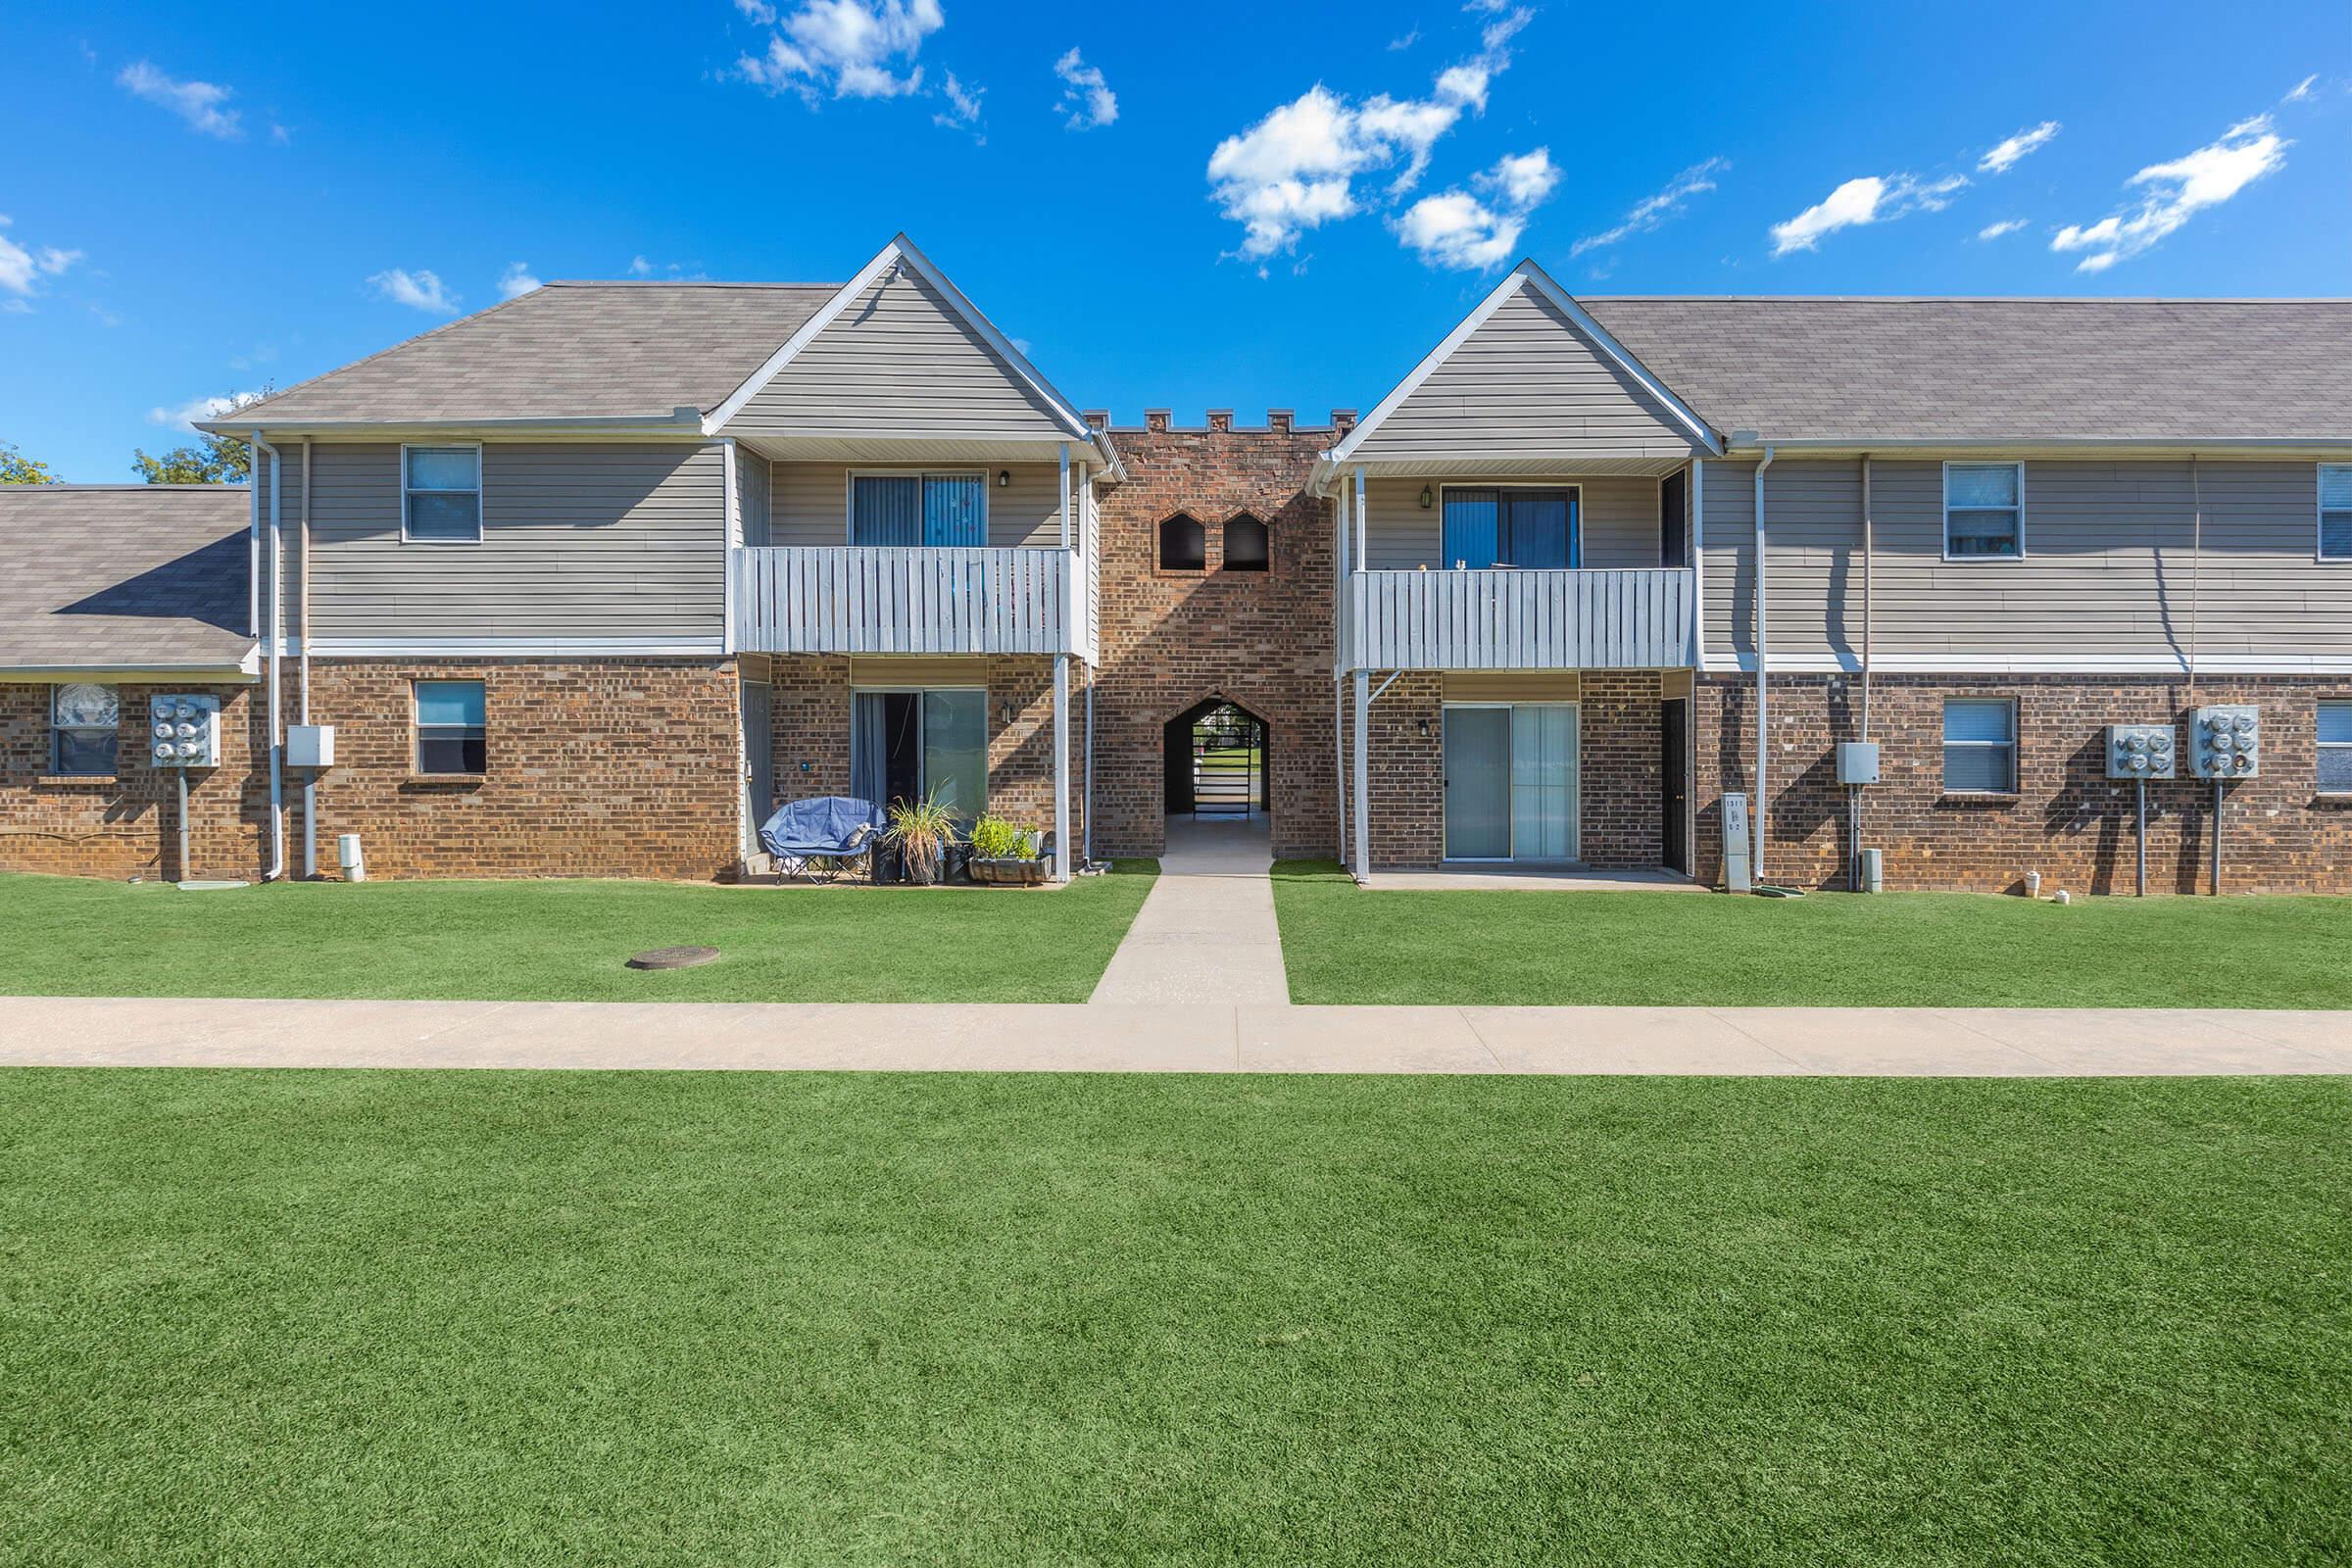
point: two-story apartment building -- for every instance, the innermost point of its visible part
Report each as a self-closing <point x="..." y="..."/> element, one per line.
<point x="586" y="582"/>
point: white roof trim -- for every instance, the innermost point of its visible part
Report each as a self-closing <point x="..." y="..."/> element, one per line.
<point x="902" y="249"/>
<point x="1524" y="275"/>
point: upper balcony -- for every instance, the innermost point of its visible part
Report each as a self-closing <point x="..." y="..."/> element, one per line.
<point x="1506" y="619"/>
<point x="907" y="599"/>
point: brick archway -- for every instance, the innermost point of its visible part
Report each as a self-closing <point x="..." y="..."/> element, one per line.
<point x="1181" y="762"/>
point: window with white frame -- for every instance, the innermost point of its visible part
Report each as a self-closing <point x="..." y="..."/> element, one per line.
<point x="84" y="727"/>
<point x="441" y="495"/>
<point x="1980" y="745"/>
<point x="2335" y="748"/>
<point x="452" y="731"/>
<point x="919" y="508"/>
<point x="1983" y="511"/>
<point x="2335" y="512"/>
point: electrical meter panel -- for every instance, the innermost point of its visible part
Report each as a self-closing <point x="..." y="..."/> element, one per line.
<point x="2226" y="741"/>
<point x="185" y="731"/>
<point x="2140" y="751"/>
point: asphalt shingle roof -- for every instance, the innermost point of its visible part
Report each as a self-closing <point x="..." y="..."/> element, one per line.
<point x="566" y="350"/>
<point x="1990" y="368"/>
<point x="146" y="575"/>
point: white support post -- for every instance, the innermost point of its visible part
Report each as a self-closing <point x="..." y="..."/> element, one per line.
<point x="1364" y="530"/>
<point x="1363" y="777"/>
<point x="1062" y="767"/>
<point x="1698" y="564"/>
<point x="1066" y="495"/>
<point x="731" y="507"/>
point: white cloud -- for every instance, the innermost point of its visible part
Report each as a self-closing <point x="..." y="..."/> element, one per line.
<point x="963" y="109"/>
<point x="1086" y="100"/>
<point x="842" y="48"/>
<point x="638" y="267"/>
<point x="675" y="271"/>
<point x="22" y="270"/>
<point x="1652" y="211"/>
<point x="1295" y="170"/>
<point x="2009" y="150"/>
<point x="199" y="102"/>
<point x="184" y="416"/>
<point x="2006" y="226"/>
<point x="1411" y="38"/>
<point x="515" y="280"/>
<point x="1457" y="229"/>
<point x="419" y="290"/>
<point x="1872" y="199"/>
<point x="2176" y="191"/>
<point x="2302" y="92"/>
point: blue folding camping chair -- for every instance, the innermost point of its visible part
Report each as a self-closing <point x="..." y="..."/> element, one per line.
<point x="822" y="837"/>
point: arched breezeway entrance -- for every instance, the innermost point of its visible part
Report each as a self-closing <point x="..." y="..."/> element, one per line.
<point x="1217" y="756"/>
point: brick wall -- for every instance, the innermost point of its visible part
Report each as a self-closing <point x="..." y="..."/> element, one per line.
<point x="1262" y="640"/>
<point x="597" y="768"/>
<point x="2066" y="820"/>
<point x="128" y="825"/>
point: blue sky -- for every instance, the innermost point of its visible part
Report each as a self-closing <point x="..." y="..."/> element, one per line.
<point x="1243" y="207"/>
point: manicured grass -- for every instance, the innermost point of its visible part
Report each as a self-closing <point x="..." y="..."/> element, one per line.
<point x="564" y="941"/>
<point x="323" y="1317"/>
<point x="1930" y="950"/>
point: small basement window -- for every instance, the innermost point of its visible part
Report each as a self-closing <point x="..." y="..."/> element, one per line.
<point x="2335" y="512"/>
<point x="1183" y="545"/>
<point x="1980" y="745"/>
<point x="85" y="730"/>
<point x="1248" y="545"/>
<point x="1983" y="511"/>
<point x="451" y="735"/>
<point x="2335" y="748"/>
<point x="441" y="495"/>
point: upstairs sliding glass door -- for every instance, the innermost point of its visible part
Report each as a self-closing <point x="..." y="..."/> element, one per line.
<point x="919" y="508"/>
<point x="1510" y="525"/>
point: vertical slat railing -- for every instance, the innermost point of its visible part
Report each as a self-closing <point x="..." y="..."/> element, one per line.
<point x="1591" y="618"/>
<point x="901" y="600"/>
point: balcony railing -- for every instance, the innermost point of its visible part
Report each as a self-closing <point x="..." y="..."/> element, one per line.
<point x="1504" y="619"/>
<point x="855" y="599"/>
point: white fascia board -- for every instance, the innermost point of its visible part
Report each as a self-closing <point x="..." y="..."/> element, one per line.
<point x="899" y="250"/>
<point x="2046" y="664"/>
<point x="511" y="647"/>
<point x="1527" y="275"/>
<point x="648" y="426"/>
<point x="2318" y="448"/>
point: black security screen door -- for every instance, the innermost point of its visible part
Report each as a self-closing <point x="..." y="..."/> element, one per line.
<point x="1229" y="776"/>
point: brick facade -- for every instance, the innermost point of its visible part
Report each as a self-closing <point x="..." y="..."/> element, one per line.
<point x="1173" y="639"/>
<point x="2066" y="820"/>
<point x="127" y="826"/>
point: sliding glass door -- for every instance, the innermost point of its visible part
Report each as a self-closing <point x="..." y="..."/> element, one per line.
<point x="1511" y="781"/>
<point x="1534" y="529"/>
<point x="905" y="745"/>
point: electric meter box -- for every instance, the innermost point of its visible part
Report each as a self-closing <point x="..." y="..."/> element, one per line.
<point x="1857" y="762"/>
<point x="2226" y="741"/>
<point x="2141" y="750"/>
<point x="310" y="746"/>
<point x="184" y="730"/>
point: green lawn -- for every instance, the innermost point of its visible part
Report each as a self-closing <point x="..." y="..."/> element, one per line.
<point x="564" y="941"/>
<point x="1922" y="950"/>
<point x="566" y="1318"/>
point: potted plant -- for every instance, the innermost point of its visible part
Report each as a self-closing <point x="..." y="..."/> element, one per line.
<point x="921" y="832"/>
<point x="1005" y="853"/>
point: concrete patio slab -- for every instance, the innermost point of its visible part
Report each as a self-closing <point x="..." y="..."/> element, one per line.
<point x="1479" y="878"/>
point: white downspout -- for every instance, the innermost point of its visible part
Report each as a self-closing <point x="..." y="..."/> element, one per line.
<point x="277" y="657"/>
<point x="309" y="780"/>
<point x="1763" y="810"/>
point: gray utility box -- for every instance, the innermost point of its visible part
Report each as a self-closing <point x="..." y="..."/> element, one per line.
<point x="1857" y="762"/>
<point x="184" y="730"/>
<point x="2141" y="750"/>
<point x="2224" y="741"/>
<point x="311" y="746"/>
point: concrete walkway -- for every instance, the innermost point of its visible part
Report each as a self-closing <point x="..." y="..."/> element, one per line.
<point x="1169" y="1037"/>
<point x="1206" y="934"/>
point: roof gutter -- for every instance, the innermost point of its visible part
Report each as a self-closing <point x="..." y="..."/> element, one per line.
<point x="1745" y="445"/>
<point x="680" y="420"/>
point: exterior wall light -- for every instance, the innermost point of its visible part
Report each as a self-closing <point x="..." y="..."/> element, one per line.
<point x="1427" y="500"/>
<point x="1003" y="477"/>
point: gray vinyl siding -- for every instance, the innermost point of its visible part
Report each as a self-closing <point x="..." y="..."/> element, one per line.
<point x="1527" y="384"/>
<point x="752" y="496"/>
<point x="1618" y="514"/>
<point x="2108" y="569"/>
<point x="899" y="362"/>
<point x="578" y="540"/>
<point x="812" y="503"/>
